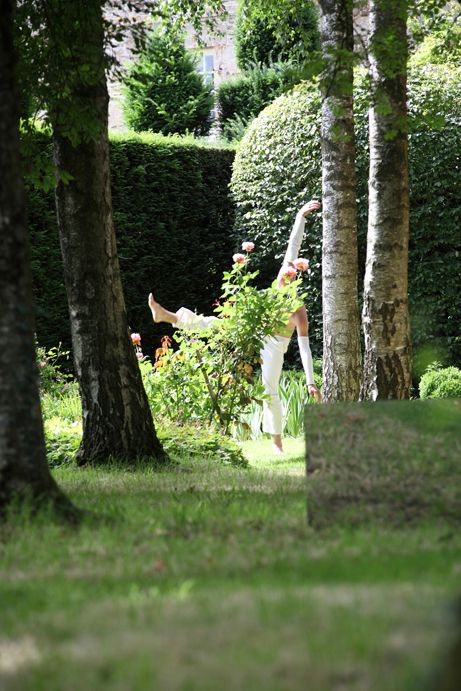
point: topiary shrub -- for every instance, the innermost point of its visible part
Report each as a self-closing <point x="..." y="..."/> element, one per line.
<point x="438" y="382"/>
<point x="164" y="92"/>
<point x="278" y="167"/>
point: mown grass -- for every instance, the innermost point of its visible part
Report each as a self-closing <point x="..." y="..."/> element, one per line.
<point x="208" y="576"/>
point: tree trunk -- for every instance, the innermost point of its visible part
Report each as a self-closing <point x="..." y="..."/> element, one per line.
<point x="117" y="422"/>
<point x="387" y="367"/>
<point x="341" y="325"/>
<point x="24" y="473"/>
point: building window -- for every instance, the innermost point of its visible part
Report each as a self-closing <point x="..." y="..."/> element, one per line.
<point x="206" y="67"/>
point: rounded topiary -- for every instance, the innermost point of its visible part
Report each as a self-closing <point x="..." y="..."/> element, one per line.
<point x="164" y="92"/>
<point x="278" y="167"/>
<point x="441" y="383"/>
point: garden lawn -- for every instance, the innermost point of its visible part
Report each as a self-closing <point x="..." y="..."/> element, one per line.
<point x="208" y="577"/>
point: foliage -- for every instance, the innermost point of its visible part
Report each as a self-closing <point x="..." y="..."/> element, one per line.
<point x="436" y="33"/>
<point x="261" y="35"/>
<point x="211" y="374"/>
<point x="440" y="382"/>
<point x="278" y="167"/>
<point x="62" y="440"/>
<point x="52" y="378"/>
<point x="173" y="218"/>
<point x="164" y="92"/>
<point x="241" y="98"/>
<point x="200" y="443"/>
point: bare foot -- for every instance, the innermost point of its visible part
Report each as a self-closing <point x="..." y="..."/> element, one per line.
<point x="158" y="312"/>
<point x="278" y="450"/>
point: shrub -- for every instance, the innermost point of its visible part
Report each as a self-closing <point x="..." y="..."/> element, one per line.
<point x="240" y="99"/>
<point x="278" y="167"/>
<point x="62" y="440"/>
<point x="173" y="218"/>
<point x="440" y="382"/>
<point x="263" y="36"/>
<point x="164" y="92"/>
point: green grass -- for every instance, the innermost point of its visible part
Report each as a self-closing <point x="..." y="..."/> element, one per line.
<point x="209" y="577"/>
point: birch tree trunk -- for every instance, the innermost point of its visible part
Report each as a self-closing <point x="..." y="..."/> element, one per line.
<point x="341" y="324"/>
<point x="387" y="366"/>
<point x="24" y="473"/>
<point x="117" y="421"/>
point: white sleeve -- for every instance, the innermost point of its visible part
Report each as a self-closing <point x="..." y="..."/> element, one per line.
<point x="306" y="358"/>
<point x="296" y="238"/>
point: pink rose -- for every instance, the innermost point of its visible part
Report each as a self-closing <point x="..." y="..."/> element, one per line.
<point x="248" y="246"/>
<point x="136" y="338"/>
<point x="139" y="355"/>
<point x="42" y="364"/>
<point x="301" y="264"/>
<point x="239" y="258"/>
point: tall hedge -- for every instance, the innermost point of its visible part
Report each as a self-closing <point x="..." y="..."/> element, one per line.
<point x="173" y="219"/>
<point x="278" y="167"/>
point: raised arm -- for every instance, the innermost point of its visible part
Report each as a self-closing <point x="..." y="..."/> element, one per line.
<point x="297" y="233"/>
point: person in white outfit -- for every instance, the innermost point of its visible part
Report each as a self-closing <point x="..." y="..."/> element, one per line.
<point x="275" y="347"/>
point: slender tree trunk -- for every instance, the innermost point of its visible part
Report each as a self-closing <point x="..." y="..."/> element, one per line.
<point x="117" y="421"/>
<point x="24" y="473"/>
<point x="341" y="325"/>
<point x="387" y="367"/>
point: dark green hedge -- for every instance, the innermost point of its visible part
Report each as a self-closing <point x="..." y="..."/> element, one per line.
<point x="173" y="218"/>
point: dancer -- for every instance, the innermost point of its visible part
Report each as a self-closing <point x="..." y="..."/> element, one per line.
<point x="273" y="352"/>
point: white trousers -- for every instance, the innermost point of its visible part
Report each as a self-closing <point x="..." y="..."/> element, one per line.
<point x="189" y="321"/>
<point x="272" y="356"/>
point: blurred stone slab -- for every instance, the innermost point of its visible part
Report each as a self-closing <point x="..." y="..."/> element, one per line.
<point x="393" y="462"/>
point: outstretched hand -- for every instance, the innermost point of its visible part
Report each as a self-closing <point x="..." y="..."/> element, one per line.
<point x="314" y="392"/>
<point x="313" y="205"/>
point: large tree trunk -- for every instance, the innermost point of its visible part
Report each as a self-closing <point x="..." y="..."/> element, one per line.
<point x="387" y="367"/>
<point x="24" y="473"/>
<point x="341" y="325"/>
<point x="117" y="422"/>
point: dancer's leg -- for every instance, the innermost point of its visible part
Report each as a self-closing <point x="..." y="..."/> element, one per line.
<point x="159" y="313"/>
<point x="272" y="362"/>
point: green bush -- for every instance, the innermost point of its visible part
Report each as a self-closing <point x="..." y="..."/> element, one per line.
<point x="200" y="443"/>
<point x="278" y="167"/>
<point x="241" y="98"/>
<point x="440" y="382"/>
<point x="62" y="440"/>
<point x="262" y="37"/>
<point x="164" y="92"/>
<point x="174" y="225"/>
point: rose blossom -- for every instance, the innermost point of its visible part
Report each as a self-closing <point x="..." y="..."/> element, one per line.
<point x="136" y="338"/>
<point x="301" y="264"/>
<point x="139" y="355"/>
<point x="238" y="258"/>
<point x="248" y="246"/>
<point x="289" y="273"/>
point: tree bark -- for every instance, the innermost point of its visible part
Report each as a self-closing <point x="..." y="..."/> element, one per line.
<point x="24" y="473"/>
<point x="117" y="421"/>
<point x="341" y="325"/>
<point x="386" y="325"/>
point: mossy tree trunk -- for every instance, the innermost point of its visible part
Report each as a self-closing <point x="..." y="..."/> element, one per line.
<point x="341" y="324"/>
<point x="387" y="366"/>
<point x="24" y="473"/>
<point x="117" y="421"/>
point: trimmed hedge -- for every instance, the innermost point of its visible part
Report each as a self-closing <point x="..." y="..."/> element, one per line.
<point x="173" y="218"/>
<point x="278" y="167"/>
